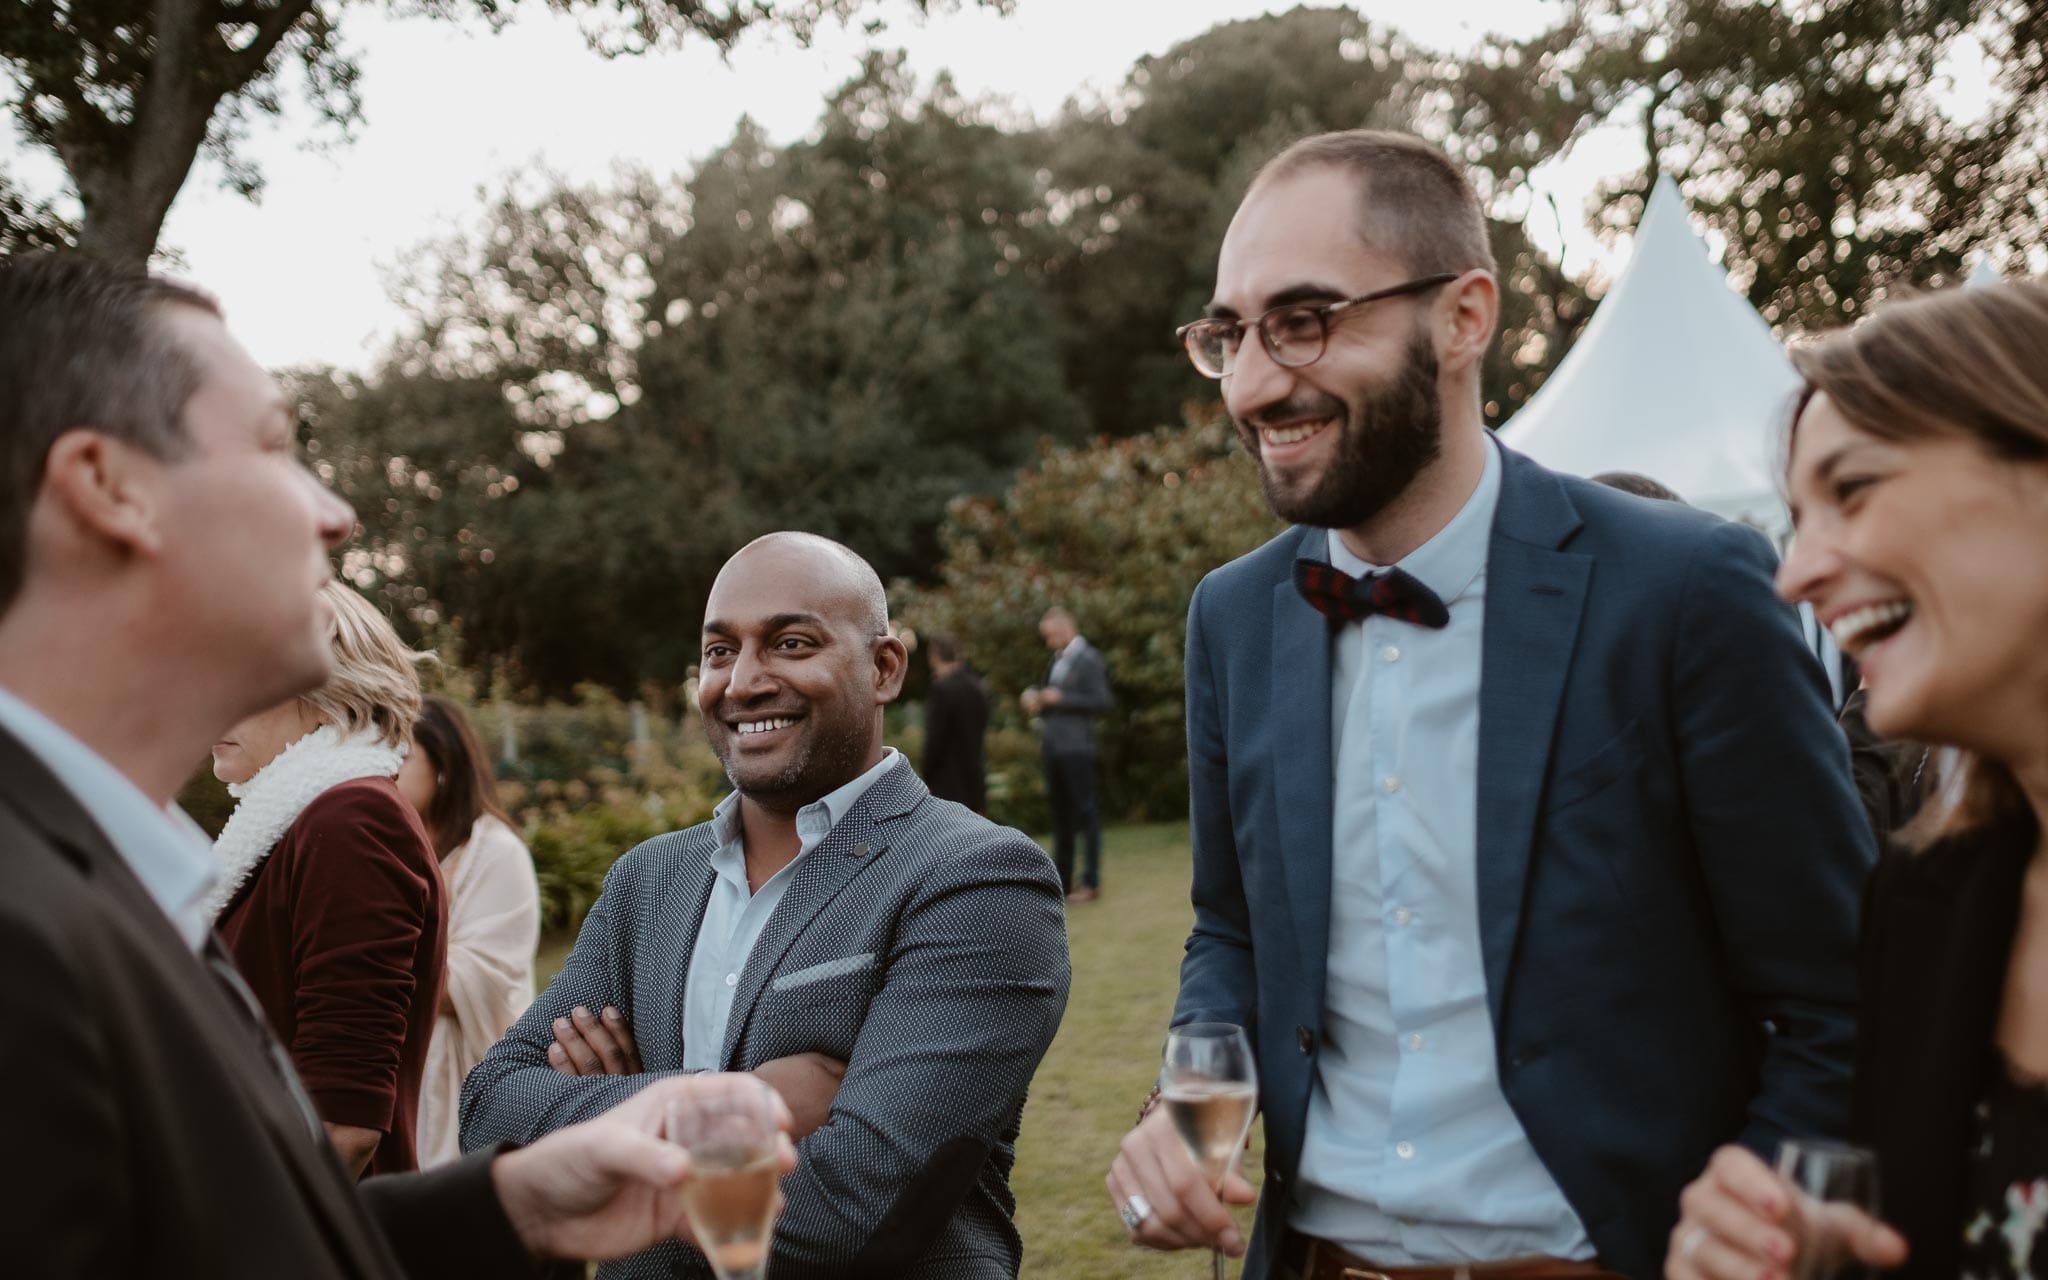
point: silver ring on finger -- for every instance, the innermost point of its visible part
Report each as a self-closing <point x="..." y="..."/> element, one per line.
<point x="1689" y="1243"/>
<point x="1134" y="1210"/>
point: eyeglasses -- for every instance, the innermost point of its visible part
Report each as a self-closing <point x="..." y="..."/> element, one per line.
<point x="1294" y="335"/>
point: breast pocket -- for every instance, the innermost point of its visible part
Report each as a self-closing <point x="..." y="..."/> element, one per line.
<point x="1620" y="757"/>
<point x="846" y="980"/>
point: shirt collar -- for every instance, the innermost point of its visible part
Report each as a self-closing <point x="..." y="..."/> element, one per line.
<point x="163" y="847"/>
<point x="813" y="822"/>
<point x="1455" y="556"/>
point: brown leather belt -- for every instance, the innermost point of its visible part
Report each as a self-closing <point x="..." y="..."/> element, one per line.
<point x="1315" y="1259"/>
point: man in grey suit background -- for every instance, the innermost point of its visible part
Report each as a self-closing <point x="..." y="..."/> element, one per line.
<point x="1076" y="690"/>
<point x="893" y="963"/>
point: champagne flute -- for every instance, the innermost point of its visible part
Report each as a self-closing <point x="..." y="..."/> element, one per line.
<point x="1824" y="1174"/>
<point x="732" y="1195"/>
<point x="1210" y="1089"/>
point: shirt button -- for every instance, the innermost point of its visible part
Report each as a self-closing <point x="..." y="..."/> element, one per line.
<point x="1402" y="916"/>
<point x="1405" y="1150"/>
<point x="1392" y="653"/>
<point x="1415" y="1040"/>
<point x="1390" y="785"/>
<point x="732" y="979"/>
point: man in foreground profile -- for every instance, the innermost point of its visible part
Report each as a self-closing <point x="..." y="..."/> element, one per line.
<point x="161" y="553"/>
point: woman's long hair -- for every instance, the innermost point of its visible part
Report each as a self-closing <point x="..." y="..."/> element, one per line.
<point x="1964" y="364"/>
<point x="465" y="789"/>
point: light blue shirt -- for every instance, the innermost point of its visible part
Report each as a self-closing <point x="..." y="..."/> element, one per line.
<point x="734" y="916"/>
<point x="165" y="849"/>
<point x="1412" y="1154"/>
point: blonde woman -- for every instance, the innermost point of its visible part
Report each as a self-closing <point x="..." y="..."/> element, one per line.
<point x="493" y="912"/>
<point x="330" y="898"/>
<point x="1919" y="485"/>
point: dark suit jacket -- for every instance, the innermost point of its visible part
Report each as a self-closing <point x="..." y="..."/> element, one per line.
<point x="922" y="945"/>
<point x="1938" y="933"/>
<point x="1670" y="851"/>
<point x="1083" y="682"/>
<point x="955" y="729"/>
<point x="151" y="1132"/>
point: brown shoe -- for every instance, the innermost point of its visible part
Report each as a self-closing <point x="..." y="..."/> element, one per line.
<point x="1084" y="894"/>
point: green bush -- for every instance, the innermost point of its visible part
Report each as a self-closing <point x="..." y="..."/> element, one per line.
<point x="1119" y="532"/>
<point x="579" y="827"/>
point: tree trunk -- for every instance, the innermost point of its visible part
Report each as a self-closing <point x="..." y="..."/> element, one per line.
<point x="127" y="188"/>
<point x="125" y="212"/>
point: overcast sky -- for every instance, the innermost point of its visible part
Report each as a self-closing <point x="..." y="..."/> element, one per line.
<point x="449" y="108"/>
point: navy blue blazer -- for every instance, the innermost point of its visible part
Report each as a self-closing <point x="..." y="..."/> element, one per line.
<point x="1670" y="847"/>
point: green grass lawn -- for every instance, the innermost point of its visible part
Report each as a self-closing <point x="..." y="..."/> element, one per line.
<point x="1126" y="948"/>
<point x="1126" y="951"/>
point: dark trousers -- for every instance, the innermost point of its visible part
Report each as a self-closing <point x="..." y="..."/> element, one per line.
<point x="1070" y="786"/>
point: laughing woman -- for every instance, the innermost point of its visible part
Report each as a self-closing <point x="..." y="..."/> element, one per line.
<point x="329" y="898"/>
<point x="1919" y="483"/>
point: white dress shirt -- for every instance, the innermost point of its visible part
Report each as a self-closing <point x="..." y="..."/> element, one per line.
<point x="165" y="849"/>
<point x="734" y="916"/>
<point x="1412" y="1154"/>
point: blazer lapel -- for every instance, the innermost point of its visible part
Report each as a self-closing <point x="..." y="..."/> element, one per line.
<point x="819" y="877"/>
<point x="1534" y="596"/>
<point x="658" y="986"/>
<point x="1303" y="796"/>
<point x="235" y="1037"/>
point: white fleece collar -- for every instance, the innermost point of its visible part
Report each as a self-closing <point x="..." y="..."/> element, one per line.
<point x="272" y="800"/>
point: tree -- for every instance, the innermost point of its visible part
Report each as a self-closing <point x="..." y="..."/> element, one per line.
<point x="1812" y="136"/>
<point x="128" y="93"/>
<point x="609" y="390"/>
<point x="28" y="224"/>
<point x="857" y="329"/>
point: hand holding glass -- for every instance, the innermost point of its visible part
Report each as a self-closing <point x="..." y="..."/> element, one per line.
<point x="731" y="1198"/>
<point x="1210" y="1089"/>
<point x="1834" y="1198"/>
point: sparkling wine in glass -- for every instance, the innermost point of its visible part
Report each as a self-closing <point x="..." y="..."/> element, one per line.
<point x="731" y="1197"/>
<point x="1210" y="1089"/>
<point x="1826" y="1178"/>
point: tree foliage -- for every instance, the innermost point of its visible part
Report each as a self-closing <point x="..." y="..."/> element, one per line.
<point x="128" y="93"/>
<point x="612" y="390"/>
<point x="867" y="332"/>
<point x="1814" y="137"/>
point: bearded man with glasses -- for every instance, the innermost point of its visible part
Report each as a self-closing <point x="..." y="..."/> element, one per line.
<point x="1525" y="846"/>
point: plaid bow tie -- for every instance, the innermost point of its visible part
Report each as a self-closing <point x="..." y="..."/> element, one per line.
<point x="1393" y="593"/>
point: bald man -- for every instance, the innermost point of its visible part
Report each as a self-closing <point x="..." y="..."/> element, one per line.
<point x="893" y="963"/>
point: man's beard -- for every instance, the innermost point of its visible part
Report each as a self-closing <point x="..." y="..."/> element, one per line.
<point x="821" y="764"/>
<point x="1392" y="437"/>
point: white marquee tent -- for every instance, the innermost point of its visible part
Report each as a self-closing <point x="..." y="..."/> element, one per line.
<point x="1675" y="377"/>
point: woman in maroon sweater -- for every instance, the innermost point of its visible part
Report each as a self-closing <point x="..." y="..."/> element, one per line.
<point x="330" y="898"/>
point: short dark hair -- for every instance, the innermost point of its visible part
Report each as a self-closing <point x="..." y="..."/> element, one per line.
<point x="1636" y="483"/>
<point x="1414" y="201"/>
<point x="944" y="646"/>
<point x="465" y="788"/>
<point x="82" y="344"/>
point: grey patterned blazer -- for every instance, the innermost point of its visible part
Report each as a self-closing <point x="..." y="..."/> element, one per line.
<point x="920" y="944"/>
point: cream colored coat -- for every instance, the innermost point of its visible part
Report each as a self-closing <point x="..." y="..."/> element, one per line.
<point x="493" y="931"/>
